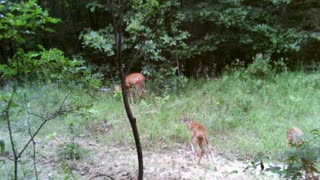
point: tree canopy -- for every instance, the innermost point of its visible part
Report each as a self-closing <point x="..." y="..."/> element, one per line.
<point x="182" y="37"/>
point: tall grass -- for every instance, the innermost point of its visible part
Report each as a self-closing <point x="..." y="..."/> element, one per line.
<point x="250" y="116"/>
<point x="244" y="116"/>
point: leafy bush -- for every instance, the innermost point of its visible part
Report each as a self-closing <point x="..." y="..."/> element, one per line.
<point x="21" y="20"/>
<point x="302" y="160"/>
<point x="49" y="66"/>
<point x="166" y="79"/>
<point x="102" y="40"/>
<point x="117" y="92"/>
<point x="70" y="151"/>
<point x="304" y="157"/>
<point x="280" y="65"/>
<point x="260" y="68"/>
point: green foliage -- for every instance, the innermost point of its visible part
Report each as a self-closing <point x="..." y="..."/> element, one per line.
<point x="244" y="116"/>
<point x="67" y="171"/>
<point x="159" y="31"/>
<point x="70" y="151"/>
<point x="102" y="40"/>
<point x="165" y="79"/>
<point x="117" y="94"/>
<point x="92" y="6"/>
<point x="2" y="147"/>
<point x="50" y="66"/>
<point x="182" y="34"/>
<point x="20" y="20"/>
<point x="241" y="29"/>
<point x="260" y="68"/>
<point x="31" y="109"/>
<point x="146" y="32"/>
<point x="303" y="160"/>
<point x="280" y="40"/>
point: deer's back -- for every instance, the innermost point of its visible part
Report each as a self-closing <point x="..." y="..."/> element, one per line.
<point x="294" y="135"/>
<point x="134" y="78"/>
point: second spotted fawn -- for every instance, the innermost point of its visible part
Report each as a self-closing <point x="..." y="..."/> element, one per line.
<point x="198" y="137"/>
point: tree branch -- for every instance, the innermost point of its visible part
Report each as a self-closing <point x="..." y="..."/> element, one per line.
<point x="30" y="133"/>
<point x="59" y="112"/>
<point x="7" y="113"/>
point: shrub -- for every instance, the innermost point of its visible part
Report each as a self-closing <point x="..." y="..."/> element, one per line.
<point x="302" y="160"/>
<point x="166" y="79"/>
<point x="50" y="66"/>
<point x="260" y="68"/>
<point x="70" y="151"/>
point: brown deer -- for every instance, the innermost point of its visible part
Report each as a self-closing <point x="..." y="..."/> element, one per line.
<point x="135" y="79"/>
<point x="295" y="138"/>
<point x="198" y="137"/>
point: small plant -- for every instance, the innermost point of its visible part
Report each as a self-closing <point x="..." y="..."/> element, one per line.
<point x="67" y="171"/>
<point x="162" y="99"/>
<point x="2" y="146"/>
<point x="236" y="65"/>
<point x="70" y="151"/>
<point x="260" y="68"/>
<point x="280" y="65"/>
<point x="117" y="94"/>
<point x="166" y="79"/>
<point x="302" y="159"/>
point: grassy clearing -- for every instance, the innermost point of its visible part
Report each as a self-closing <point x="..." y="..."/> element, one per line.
<point x="244" y="116"/>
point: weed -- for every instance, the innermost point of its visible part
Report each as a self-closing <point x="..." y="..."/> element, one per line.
<point x="260" y="68"/>
<point x="2" y="147"/>
<point x="304" y="159"/>
<point x="70" y="151"/>
<point x="301" y="160"/>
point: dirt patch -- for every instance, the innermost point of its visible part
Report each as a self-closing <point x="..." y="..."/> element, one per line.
<point x="120" y="162"/>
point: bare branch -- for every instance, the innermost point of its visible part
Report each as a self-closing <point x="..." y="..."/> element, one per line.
<point x="102" y="175"/>
<point x="60" y="111"/>
<point x="7" y="114"/>
<point x="30" y="133"/>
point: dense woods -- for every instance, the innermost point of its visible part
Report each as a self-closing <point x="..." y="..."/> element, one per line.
<point x="177" y="37"/>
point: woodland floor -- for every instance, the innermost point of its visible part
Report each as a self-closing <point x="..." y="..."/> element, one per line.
<point x="120" y="162"/>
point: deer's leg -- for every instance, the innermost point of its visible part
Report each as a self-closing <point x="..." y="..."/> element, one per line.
<point x="193" y="149"/>
<point x="139" y="89"/>
<point x="144" y="90"/>
<point x="130" y="94"/>
<point x="201" y="150"/>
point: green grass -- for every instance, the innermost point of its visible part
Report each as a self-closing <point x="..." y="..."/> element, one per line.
<point x="242" y="115"/>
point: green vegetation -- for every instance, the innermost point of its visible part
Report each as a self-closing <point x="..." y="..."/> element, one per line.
<point x="244" y="69"/>
<point x="2" y="146"/>
<point x="195" y="39"/>
<point x="303" y="160"/>
<point x="246" y="116"/>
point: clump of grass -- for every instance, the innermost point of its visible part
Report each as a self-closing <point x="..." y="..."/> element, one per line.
<point x="70" y="151"/>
